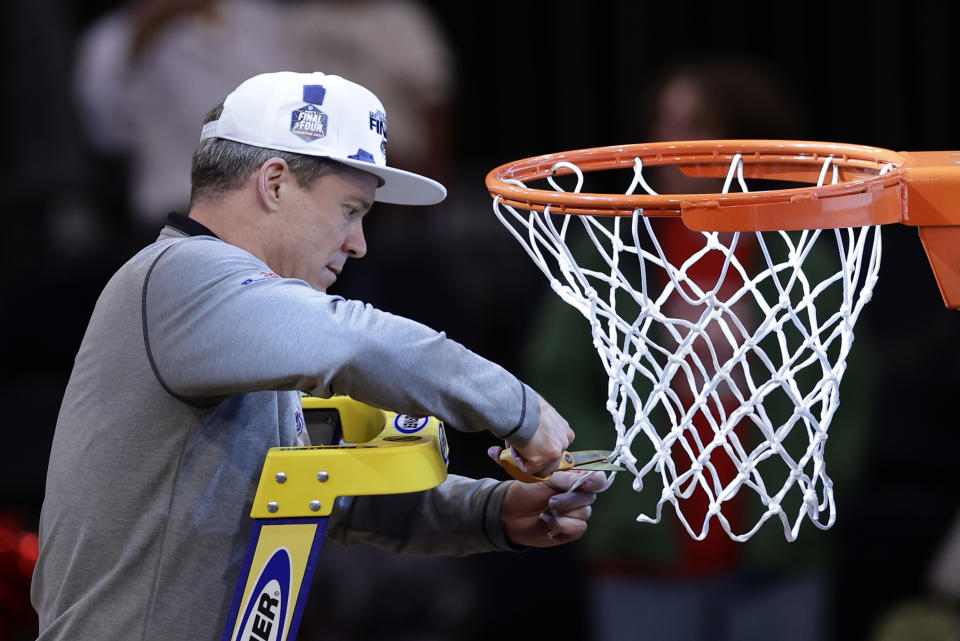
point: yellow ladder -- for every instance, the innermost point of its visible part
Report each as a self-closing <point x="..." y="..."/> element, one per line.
<point x="380" y="452"/>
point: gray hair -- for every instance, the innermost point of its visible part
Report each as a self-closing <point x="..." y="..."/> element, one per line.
<point x="220" y="166"/>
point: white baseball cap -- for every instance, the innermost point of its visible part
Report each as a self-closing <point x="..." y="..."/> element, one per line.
<point x="320" y="115"/>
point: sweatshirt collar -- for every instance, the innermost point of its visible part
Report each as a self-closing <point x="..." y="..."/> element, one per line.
<point x="188" y="225"/>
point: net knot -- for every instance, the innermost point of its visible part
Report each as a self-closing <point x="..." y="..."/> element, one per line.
<point x="558" y="287"/>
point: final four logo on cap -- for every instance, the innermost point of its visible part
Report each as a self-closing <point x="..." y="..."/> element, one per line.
<point x="308" y="122"/>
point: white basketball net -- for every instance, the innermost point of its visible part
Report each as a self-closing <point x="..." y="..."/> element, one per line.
<point x="718" y="385"/>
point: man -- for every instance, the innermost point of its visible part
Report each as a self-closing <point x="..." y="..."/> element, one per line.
<point x="193" y="363"/>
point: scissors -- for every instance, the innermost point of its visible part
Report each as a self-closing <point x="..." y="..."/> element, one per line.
<point x="582" y="460"/>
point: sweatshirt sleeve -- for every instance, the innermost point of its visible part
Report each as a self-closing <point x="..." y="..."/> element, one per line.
<point x="217" y="322"/>
<point x="460" y="516"/>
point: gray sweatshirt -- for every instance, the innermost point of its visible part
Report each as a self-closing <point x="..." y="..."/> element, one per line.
<point x="190" y="369"/>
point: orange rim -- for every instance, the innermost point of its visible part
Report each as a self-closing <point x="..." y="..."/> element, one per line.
<point x="863" y="195"/>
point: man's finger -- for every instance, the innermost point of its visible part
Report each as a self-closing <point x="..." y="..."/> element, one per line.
<point x="496" y="452"/>
<point x="538" y="466"/>
<point x="581" y="513"/>
<point x="514" y="465"/>
<point x="564" y="528"/>
<point x="563" y="481"/>
<point x="571" y="501"/>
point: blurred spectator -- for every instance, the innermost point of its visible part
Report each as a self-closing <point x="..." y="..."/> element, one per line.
<point x="148" y="71"/>
<point x="398" y="50"/>
<point x="654" y="580"/>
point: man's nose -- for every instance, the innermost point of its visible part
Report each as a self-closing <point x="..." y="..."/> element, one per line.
<point x="356" y="244"/>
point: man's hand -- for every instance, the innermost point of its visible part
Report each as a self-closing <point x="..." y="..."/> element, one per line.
<point x="540" y="456"/>
<point x="548" y="513"/>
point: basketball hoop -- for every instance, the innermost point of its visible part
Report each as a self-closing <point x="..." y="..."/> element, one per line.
<point x="725" y="357"/>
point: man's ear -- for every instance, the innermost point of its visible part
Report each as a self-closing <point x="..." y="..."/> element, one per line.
<point x="271" y="178"/>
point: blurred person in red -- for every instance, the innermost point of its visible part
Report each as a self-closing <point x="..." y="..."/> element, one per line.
<point x="655" y="581"/>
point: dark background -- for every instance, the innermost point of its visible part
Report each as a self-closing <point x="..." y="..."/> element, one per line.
<point x="534" y="78"/>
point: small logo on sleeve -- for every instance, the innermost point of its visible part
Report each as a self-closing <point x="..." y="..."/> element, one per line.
<point x="263" y="276"/>
<point x="298" y="417"/>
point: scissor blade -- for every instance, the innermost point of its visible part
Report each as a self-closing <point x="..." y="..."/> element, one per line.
<point x="600" y="467"/>
<point x="588" y="456"/>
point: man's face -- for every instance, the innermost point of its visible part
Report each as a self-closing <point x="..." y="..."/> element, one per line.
<point x="322" y="226"/>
